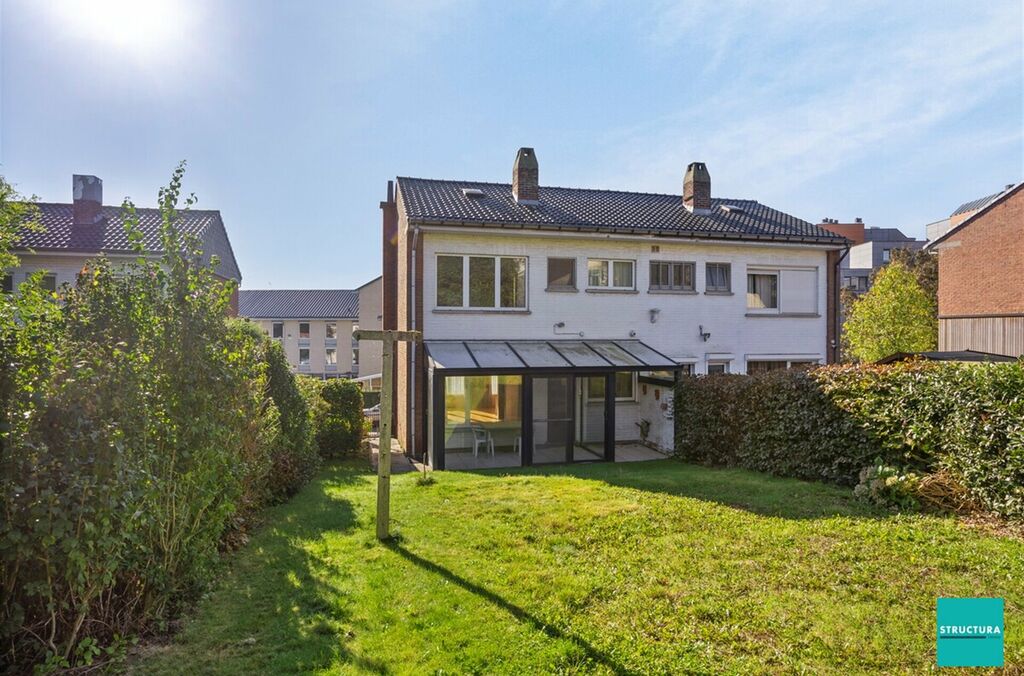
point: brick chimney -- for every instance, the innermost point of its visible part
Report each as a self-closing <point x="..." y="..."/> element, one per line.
<point x="525" y="177"/>
<point x="697" y="188"/>
<point x="88" y="199"/>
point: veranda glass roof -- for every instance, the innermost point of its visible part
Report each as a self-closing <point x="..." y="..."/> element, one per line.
<point x="525" y="356"/>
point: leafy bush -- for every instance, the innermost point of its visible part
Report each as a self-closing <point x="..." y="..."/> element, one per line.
<point x="341" y="427"/>
<point x="137" y="433"/>
<point x="959" y="427"/>
<point x="888" y="487"/>
<point x="294" y="458"/>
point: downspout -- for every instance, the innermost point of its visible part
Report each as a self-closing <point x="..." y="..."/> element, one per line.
<point x="413" y="327"/>
<point x="838" y="293"/>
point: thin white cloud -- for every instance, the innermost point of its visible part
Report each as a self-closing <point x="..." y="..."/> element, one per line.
<point x="768" y="125"/>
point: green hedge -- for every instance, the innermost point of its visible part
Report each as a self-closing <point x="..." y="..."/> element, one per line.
<point x="965" y="421"/>
<point x="338" y="422"/>
<point x="140" y="433"/>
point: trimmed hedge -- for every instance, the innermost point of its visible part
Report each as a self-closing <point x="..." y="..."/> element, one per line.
<point x="338" y="422"/>
<point x="963" y="421"/>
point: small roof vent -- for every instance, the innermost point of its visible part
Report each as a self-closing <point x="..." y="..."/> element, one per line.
<point x="733" y="209"/>
<point x="472" y="193"/>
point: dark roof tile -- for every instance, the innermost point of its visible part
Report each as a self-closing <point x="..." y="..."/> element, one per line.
<point x="442" y="201"/>
<point x="60" y="233"/>
<point x="299" y="303"/>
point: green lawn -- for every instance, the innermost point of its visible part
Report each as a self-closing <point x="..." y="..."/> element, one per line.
<point x="631" y="568"/>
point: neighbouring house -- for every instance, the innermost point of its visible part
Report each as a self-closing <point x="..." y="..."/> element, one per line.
<point x="555" y="319"/>
<point x="72" y="234"/>
<point x="981" y="278"/>
<point x="933" y="231"/>
<point x="315" y="327"/>
<point x="871" y="248"/>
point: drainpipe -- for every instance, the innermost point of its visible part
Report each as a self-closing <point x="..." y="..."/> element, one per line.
<point x="838" y="294"/>
<point x="413" y="327"/>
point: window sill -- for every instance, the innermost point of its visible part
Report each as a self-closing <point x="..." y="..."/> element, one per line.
<point x="614" y="291"/>
<point x="719" y="293"/>
<point x="479" y="311"/>
<point x="672" y="292"/>
<point x="809" y="315"/>
<point x="562" y="289"/>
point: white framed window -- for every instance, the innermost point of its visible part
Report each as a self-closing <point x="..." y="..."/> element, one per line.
<point x="625" y="387"/>
<point x="303" y="356"/>
<point x="763" y="291"/>
<point x="673" y="276"/>
<point x="331" y="329"/>
<point x="331" y="356"/>
<point x="718" y="278"/>
<point x="303" y="329"/>
<point x="561" y="274"/>
<point x="277" y="330"/>
<point x="607" y="273"/>
<point x="718" y="366"/>
<point x="48" y="282"/>
<point x="481" y="282"/>
<point x="886" y="255"/>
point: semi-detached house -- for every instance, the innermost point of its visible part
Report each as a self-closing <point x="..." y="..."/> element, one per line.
<point x="554" y="319"/>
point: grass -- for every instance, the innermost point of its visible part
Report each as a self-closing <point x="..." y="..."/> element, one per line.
<point x="630" y="568"/>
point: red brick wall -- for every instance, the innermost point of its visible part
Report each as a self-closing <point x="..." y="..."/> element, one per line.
<point x="851" y="231"/>
<point x="981" y="267"/>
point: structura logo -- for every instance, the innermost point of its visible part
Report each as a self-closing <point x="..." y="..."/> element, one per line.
<point x="969" y="632"/>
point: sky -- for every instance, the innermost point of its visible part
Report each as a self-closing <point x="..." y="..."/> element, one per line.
<point x="292" y="116"/>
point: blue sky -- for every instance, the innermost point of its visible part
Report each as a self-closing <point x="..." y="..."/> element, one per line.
<point x="293" y="116"/>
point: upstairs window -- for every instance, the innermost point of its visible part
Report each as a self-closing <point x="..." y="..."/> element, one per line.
<point x="610" y="274"/>
<point x="672" y="276"/>
<point x="562" y="274"/>
<point x="762" y="291"/>
<point x="278" y="330"/>
<point x="886" y="255"/>
<point x="331" y="330"/>
<point x="303" y="329"/>
<point x="718" y="278"/>
<point x="304" y="356"/>
<point x="481" y="282"/>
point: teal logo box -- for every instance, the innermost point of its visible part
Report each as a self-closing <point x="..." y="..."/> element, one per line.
<point x="969" y="633"/>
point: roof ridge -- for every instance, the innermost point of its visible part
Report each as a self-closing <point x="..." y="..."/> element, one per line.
<point x="119" y="206"/>
<point x="566" y="187"/>
<point x="349" y="290"/>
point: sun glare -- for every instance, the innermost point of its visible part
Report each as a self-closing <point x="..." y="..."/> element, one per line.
<point x="139" y="28"/>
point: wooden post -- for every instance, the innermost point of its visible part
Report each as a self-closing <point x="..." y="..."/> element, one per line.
<point x="388" y="338"/>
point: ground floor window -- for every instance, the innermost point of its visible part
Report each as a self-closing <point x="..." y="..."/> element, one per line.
<point x="718" y="367"/>
<point x="482" y="415"/>
<point x="764" y="365"/>
<point x="625" y="387"/>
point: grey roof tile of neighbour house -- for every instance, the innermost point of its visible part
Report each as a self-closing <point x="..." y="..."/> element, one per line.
<point x="443" y="201"/>
<point x="299" y="303"/>
<point x="60" y="233"/>
<point x="974" y="205"/>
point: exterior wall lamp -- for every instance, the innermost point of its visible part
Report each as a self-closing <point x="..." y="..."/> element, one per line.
<point x="704" y="334"/>
<point x="654" y="314"/>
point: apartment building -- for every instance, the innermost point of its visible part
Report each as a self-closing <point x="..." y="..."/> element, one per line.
<point x="315" y="327"/>
<point x="554" y="320"/>
<point x="870" y="249"/>
<point x="73" y="233"/>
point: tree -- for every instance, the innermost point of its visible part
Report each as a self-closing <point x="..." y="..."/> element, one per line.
<point x="895" y="315"/>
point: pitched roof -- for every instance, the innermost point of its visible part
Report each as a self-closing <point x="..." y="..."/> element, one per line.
<point x="999" y="198"/>
<point x="299" y="303"/>
<point x="974" y="205"/>
<point x="444" y="202"/>
<point x="60" y="233"/>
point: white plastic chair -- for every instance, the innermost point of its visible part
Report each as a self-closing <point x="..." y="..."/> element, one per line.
<point x="484" y="438"/>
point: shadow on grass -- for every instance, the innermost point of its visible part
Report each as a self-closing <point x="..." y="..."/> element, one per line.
<point x="592" y="653"/>
<point x="750" y="491"/>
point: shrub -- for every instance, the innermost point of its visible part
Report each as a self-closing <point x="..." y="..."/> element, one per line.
<point x="139" y="430"/>
<point x="341" y="426"/>
<point x="959" y="428"/>
<point x="294" y="457"/>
